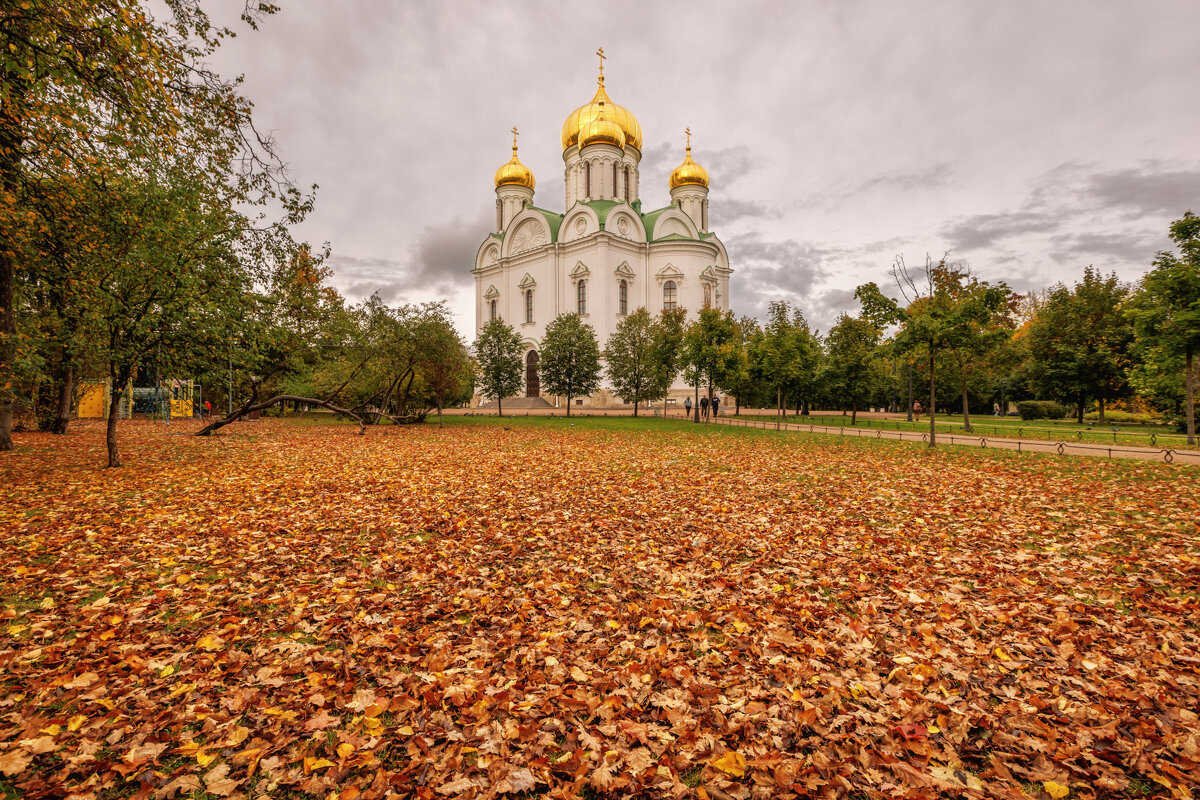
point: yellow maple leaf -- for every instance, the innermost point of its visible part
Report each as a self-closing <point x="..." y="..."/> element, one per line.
<point x="203" y="758"/>
<point x="311" y="764"/>
<point x="732" y="763"/>
<point x="76" y="722"/>
<point x="344" y="749"/>
<point x="168" y="671"/>
<point x="1055" y="790"/>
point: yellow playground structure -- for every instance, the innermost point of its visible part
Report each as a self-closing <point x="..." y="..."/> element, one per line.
<point x="179" y="395"/>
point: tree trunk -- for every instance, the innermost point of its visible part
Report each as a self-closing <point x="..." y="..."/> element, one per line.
<point x="500" y="406"/>
<point x="854" y="413"/>
<point x="250" y="406"/>
<point x="439" y="413"/>
<point x="568" y="404"/>
<point x="110" y="434"/>
<point x="966" y="408"/>
<point x="1100" y="418"/>
<point x="1079" y="409"/>
<point x="779" y="411"/>
<point x="696" y="418"/>
<point x="65" y="391"/>
<point x="1190" y="390"/>
<point x="932" y="402"/>
<point x="11" y="140"/>
<point x="635" y="405"/>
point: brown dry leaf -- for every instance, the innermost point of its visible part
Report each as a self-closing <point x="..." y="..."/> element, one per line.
<point x="14" y="762"/>
<point x="217" y="781"/>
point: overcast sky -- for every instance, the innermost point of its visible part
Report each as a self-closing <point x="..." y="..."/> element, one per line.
<point x="1029" y="139"/>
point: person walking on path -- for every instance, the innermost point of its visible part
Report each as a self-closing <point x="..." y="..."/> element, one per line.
<point x="716" y="405"/>
<point x="687" y="407"/>
<point x="917" y="411"/>
<point x="704" y="407"/>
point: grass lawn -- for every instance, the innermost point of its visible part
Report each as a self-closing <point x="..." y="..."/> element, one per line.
<point x="1009" y="427"/>
<point x="596" y="607"/>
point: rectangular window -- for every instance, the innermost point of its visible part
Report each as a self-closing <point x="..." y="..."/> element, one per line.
<point x="581" y="297"/>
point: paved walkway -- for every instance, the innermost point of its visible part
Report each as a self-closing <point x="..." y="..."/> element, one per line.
<point x="1164" y="455"/>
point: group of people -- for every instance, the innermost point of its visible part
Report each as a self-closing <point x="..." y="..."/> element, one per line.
<point x="704" y="406"/>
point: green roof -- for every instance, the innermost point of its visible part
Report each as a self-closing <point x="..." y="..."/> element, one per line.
<point x="552" y="219"/>
<point x="650" y="217"/>
<point x="602" y="207"/>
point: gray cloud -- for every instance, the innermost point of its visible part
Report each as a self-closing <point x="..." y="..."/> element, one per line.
<point x="984" y="230"/>
<point x="832" y="124"/>
<point x="438" y="263"/>
<point x="727" y="210"/>
<point x="1150" y="189"/>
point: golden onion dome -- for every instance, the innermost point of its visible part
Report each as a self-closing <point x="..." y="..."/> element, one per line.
<point x="601" y="130"/>
<point x="581" y="116"/>
<point x="689" y="172"/>
<point x="514" y="173"/>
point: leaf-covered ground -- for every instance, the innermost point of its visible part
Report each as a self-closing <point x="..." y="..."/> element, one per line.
<point x="604" y="608"/>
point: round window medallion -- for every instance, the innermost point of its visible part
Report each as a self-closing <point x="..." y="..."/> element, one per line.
<point x="580" y="226"/>
<point x="623" y="226"/>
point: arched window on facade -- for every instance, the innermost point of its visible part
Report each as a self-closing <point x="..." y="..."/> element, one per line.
<point x="529" y="305"/>
<point x="627" y="183"/>
<point x="587" y="179"/>
<point x="707" y="296"/>
<point x="492" y="308"/>
<point x="622" y="298"/>
<point x="581" y="297"/>
<point x="670" y="296"/>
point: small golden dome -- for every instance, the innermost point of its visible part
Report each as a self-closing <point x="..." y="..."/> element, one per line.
<point x="689" y="172"/>
<point x="514" y="173"/>
<point x="601" y="130"/>
<point x="581" y="116"/>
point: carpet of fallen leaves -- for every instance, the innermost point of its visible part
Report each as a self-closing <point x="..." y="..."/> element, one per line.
<point x="297" y="611"/>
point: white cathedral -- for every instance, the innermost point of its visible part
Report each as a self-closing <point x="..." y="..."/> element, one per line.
<point x="605" y="256"/>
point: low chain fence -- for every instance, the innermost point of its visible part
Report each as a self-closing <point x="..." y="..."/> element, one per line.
<point x="1153" y="439"/>
<point x="1062" y="448"/>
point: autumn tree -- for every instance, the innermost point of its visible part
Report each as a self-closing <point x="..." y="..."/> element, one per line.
<point x="85" y="85"/>
<point x="1080" y="340"/>
<point x="1165" y="311"/>
<point x="498" y="361"/>
<point x="945" y="308"/>
<point x="570" y="359"/>
<point x="632" y="360"/>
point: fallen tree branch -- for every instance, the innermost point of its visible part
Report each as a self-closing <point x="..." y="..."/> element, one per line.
<point x="251" y="406"/>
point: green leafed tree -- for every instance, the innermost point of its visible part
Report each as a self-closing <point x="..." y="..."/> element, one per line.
<point x="852" y="348"/>
<point x="1079" y="342"/>
<point x="498" y="361"/>
<point x="631" y="359"/>
<point x="668" y="352"/>
<point x="570" y="359"/>
<point x="712" y="351"/>
<point x="785" y="356"/>
<point x="1165" y="313"/>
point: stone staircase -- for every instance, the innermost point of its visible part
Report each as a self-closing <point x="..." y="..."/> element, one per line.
<point x="520" y="403"/>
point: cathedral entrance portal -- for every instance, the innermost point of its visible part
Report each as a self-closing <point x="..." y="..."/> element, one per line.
<point x="532" y="385"/>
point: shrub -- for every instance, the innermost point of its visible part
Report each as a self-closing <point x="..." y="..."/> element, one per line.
<point x="1126" y="417"/>
<point x="1041" y="409"/>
